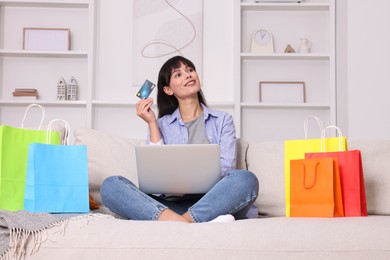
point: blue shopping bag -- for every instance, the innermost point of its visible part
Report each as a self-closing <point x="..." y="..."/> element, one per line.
<point x="57" y="177"/>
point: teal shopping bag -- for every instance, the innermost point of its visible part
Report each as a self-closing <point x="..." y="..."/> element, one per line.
<point x="57" y="178"/>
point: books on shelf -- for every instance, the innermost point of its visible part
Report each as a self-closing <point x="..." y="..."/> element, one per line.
<point x="25" y="93"/>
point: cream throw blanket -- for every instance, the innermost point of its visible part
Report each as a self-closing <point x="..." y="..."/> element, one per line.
<point x="16" y="227"/>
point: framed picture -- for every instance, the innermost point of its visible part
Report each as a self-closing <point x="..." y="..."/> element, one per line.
<point x="46" y="39"/>
<point x="282" y="92"/>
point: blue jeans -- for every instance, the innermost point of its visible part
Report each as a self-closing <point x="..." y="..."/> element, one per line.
<point x="233" y="194"/>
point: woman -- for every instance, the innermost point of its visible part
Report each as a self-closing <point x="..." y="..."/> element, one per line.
<point x="184" y="118"/>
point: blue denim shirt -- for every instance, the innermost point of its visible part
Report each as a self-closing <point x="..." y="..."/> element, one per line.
<point x="219" y="128"/>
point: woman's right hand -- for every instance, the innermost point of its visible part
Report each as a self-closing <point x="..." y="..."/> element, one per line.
<point x="144" y="111"/>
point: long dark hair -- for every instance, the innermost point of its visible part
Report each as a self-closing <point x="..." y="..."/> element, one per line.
<point x="167" y="104"/>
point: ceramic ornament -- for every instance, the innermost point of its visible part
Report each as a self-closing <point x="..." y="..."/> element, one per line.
<point x="61" y="89"/>
<point x="72" y="89"/>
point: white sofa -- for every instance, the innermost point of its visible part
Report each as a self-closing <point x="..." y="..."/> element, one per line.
<point x="271" y="236"/>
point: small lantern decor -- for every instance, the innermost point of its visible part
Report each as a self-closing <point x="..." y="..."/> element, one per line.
<point x="61" y="89"/>
<point x="72" y="89"/>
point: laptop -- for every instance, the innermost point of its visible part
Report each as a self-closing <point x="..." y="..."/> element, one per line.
<point x="178" y="169"/>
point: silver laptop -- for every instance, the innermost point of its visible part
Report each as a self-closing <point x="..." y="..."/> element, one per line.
<point x="178" y="169"/>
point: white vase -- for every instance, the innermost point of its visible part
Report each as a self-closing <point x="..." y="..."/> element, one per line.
<point x="305" y="46"/>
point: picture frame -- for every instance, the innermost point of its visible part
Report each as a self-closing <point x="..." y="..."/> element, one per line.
<point x="282" y="92"/>
<point x="46" y="39"/>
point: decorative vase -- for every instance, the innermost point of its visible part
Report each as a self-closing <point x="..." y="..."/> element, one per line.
<point x="305" y="46"/>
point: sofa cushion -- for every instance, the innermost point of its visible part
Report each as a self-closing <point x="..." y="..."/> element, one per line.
<point x="264" y="238"/>
<point x="107" y="155"/>
<point x="242" y="148"/>
<point x="266" y="161"/>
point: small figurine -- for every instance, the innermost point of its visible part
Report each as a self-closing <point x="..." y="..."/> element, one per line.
<point x="72" y="89"/>
<point x="61" y="89"/>
<point x="289" y="49"/>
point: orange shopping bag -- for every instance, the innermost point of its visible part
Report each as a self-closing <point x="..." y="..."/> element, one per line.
<point x="315" y="189"/>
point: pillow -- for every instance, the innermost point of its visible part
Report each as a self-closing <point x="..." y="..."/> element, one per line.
<point x="107" y="155"/>
<point x="242" y="147"/>
<point x="266" y="161"/>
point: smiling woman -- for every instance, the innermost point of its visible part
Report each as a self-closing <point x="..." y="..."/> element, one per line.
<point x="184" y="118"/>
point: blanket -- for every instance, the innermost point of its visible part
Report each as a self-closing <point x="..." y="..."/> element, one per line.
<point x="16" y="227"/>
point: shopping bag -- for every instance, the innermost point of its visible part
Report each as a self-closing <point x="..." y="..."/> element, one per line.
<point x="13" y="159"/>
<point x="296" y="149"/>
<point x="352" y="180"/>
<point x="57" y="177"/>
<point x="315" y="188"/>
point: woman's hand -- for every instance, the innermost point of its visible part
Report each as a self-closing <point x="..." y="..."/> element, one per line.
<point x="144" y="110"/>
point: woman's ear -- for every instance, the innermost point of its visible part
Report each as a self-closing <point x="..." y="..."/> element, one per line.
<point x="168" y="91"/>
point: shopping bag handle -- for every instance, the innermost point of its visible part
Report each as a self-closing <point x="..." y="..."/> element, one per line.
<point x="315" y="176"/>
<point x="66" y="135"/>
<point x="339" y="135"/>
<point x="306" y="123"/>
<point x="42" y="114"/>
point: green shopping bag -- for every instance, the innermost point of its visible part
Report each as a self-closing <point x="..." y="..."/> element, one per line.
<point x="13" y="160"/>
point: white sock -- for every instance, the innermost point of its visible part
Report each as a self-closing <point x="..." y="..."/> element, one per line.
<point x="224" y="219"/>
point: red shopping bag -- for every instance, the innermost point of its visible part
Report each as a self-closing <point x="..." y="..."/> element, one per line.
<point x="315" y="189"/>
<point x="352" y="180"/>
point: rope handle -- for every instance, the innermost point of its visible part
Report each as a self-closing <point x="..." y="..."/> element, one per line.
<point x="306" y="123"/>
<point x="339" y="135"/>
<point x="67" y="131"/>
<point x="42" y="114"/>
<point x="315" y="176"/>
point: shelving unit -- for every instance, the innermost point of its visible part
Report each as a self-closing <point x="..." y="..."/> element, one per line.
<point x="288" y="22"/>
<point x="18" y="67"/>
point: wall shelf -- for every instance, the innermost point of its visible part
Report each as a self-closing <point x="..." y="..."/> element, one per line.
<point x="285" y="56"/>
<point x="26" y="102"/>
<point x="288" y="22"/>
<point x="47" y="3"/>
<point x="268" y="105"/>
<point x="42" y="69"/>
<point x="43" y="54"/>
<point x="245" y="6"/>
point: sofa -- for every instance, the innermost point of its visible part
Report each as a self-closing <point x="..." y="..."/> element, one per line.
<point x="104" y="235"/>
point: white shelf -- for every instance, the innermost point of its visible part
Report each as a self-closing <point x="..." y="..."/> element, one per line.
<point x="39" y="69"/>
<point x="53" y="54"/>
<point x="42" y="102"/>
<point x="285" y="56"/>
<point x="245" y="6"/>
<point x="46" y="3"/>
<point x="269" y="105"/>
<point x="316" y="69"/>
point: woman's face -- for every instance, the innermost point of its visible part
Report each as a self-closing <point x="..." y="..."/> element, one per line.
<point x="184" y="82"/>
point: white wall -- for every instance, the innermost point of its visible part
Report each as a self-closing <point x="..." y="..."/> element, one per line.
<point x="218" y="50"/>
<point x="114" y="53"/>
<point x="368" y="79"/>
<point x="114" y="62"/>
